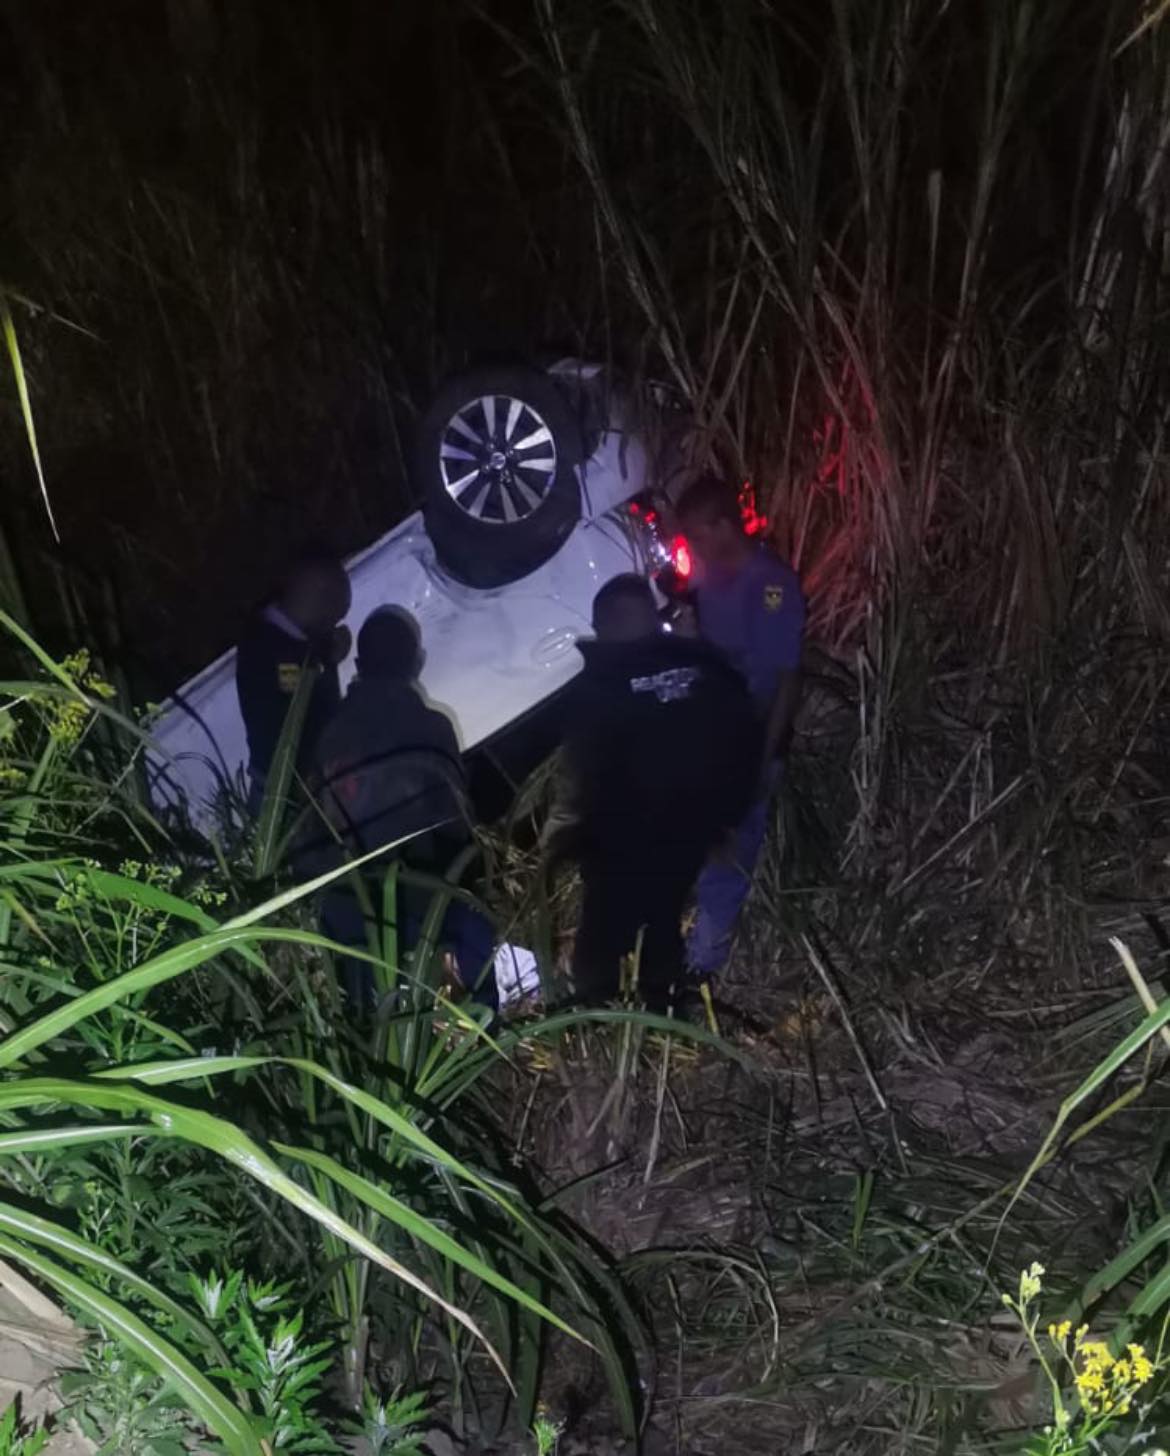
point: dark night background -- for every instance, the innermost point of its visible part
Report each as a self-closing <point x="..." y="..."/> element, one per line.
<point x="250" y="238"/>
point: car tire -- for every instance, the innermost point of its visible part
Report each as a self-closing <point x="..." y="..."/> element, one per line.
<point x="496" y="462"/>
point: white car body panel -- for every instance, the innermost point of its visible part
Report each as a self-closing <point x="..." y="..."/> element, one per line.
<point x="491" y="656"/>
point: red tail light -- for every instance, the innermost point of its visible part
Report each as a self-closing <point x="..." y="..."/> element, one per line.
<point x="680" y="557"/>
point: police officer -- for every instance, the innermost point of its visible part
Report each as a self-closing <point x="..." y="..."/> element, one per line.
<point x="750" y="605"/>
<point x="661" y="758"/>
<point x="297" y="632"/>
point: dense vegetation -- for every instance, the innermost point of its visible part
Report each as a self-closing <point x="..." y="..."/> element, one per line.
<point x="908" y="263"/>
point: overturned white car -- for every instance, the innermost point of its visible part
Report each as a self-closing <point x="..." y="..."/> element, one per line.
<point x="527" y="480"/>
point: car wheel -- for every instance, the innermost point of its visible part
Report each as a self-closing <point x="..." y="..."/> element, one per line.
<point x="496" y="460"/>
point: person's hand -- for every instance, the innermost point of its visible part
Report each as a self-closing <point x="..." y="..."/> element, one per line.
<point x="340" y="641"/>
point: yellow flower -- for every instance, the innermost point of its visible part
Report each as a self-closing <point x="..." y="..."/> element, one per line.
<point x="1059" y="1333"/>
<point x="1106" y="1385"/>
<point x="78" y="666"/>
<point x="1095" y="1353"/>
<point x="67" y="720"/>
<point x="1143" y="1368"/>
<point x="1095" y="1367"/>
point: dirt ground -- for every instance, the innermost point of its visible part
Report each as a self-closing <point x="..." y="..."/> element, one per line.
<point x="730" y="1194"/>
<point x="37" y="1341"/>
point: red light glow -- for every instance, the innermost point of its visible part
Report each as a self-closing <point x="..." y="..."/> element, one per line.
<point x="680" y="555"/>
<point x="754" y="524"/>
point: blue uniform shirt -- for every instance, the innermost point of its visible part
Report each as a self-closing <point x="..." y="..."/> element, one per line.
<point x="756" y="615"/>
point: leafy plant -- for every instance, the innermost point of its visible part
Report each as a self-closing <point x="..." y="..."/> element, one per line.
<point x="119" y="1402"/>
<point x="547" y="1434"/>
<point x="269" y="1356"/>
<point x="17" y="1437"/>
<point x="392" y="1427"/>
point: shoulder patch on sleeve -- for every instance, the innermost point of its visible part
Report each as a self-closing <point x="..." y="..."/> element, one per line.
<point x="773" y="596"/>
<point x="288" y="675"/>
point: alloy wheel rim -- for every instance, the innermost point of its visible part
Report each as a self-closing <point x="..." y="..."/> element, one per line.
<point x="498" y="459"/>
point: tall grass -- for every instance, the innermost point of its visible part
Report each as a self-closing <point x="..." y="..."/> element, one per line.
<point x="907" y="263"/>
<point x="843" y="284"/>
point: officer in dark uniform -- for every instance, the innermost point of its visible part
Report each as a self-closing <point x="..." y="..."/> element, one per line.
<point x="750" y="605"/>
<point x="298" y="632"/>
<point x="661" y="758"/>
<point x="390" y="777"/>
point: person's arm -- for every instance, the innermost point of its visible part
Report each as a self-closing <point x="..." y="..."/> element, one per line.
<point x="781" y="628"/>
<point x="564" y="811"/>
<point x="782" y="715"/>
<point x="262" y="696"/>
<point x="574" y="774"/>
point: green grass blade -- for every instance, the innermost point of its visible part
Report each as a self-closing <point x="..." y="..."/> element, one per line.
<point x="1096" y="1079"/>
<point x="44" y="877"/>
<point x="452" y="1076"/>
<point x="1125" y="1263"/>
<point x="282" y="775"/>
<point x="39" y="1140"/>
<point x="236" y="1147"/>
<point x="28" y="869"/>
<point x="1153" y="1297"/>
<point x="151" y="973"/>
<point x="421" y="1228"/>
<point x="65" y="1243"/>
<point x="60" y="983"/>
<point x="51" y="666"/>
<point x="212" y="1407"/>
<point x="145" y="896"/>
<point x="161" y="1073"/>
<point x="30" y="427"/>
<point x="862" y="1195"/>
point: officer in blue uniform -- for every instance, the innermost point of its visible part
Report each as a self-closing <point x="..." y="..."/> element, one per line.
<point x="750" y="605"/>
